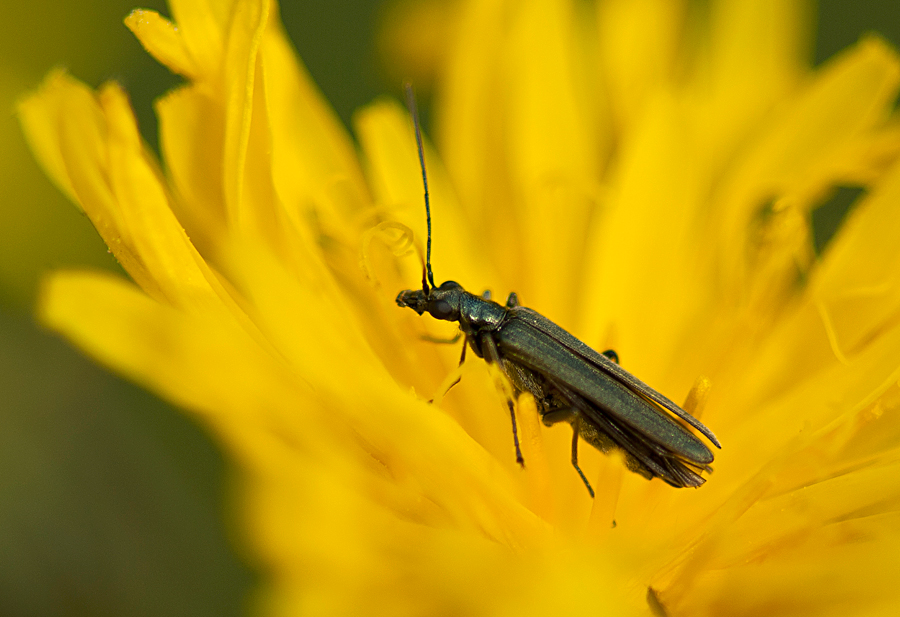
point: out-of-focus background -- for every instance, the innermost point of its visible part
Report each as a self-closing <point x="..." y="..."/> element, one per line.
<point x="111" y="501"/>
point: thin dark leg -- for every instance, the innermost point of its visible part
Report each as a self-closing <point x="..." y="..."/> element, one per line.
<point x="512" y="414"/>
<point x="442" y="341"/>
<point x="560" y="414"/>
<point x="489" y="347"/>
<point x="575" y="458"/>
<point x="462" y="358"/>
<point x="612" y="355"/>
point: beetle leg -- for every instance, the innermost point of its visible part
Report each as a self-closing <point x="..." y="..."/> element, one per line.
<point x="512" y="414"/>
<point x="462" y="358"/>
<point x="489" y="349"/>
<point x="570" y="415"/>
<point x="575" y="427"/>
<point x="612" y="355"/>
<point x="442" y="341"/>
<point x="487" y="294"/>
<point x="512" y="301"/>
<point x="559" y="414"/>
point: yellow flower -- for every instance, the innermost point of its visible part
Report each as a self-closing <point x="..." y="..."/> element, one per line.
<point x="642" y="175"/>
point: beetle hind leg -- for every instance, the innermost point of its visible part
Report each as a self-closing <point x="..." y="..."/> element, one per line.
<point x="570" y="415"/>
<point x="584" y="479"/>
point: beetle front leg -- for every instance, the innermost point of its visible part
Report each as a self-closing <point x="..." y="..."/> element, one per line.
<point x="442" y="341"/>
<point x="462" y="358"/>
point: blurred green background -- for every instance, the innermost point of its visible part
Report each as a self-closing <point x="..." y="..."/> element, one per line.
<point x="112" y="502"/>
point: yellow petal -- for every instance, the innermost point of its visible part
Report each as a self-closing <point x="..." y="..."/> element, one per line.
<point x="768" y="425"/>
<point x="162" y="39"/>
<point x="858" y="283"/>
<point x="152" y="229"/>
<point x="204" y="24"/>
<point x="386" y="136"/>
<point x="639" y="45"/>
<point x="246" y="132"/>
<point x="642" y="249"/>
<point x="471" y="135"/>
<point x="43" y="114"/>
<point x="846" y="567"/>
<point x="194" y="360"/>
<point x="852" y="298"/>
<point x="854" y="93"/>
<point x="191" y="138"/>
<point x="694" y="235"/>
<point x="75" y="152"/>
<point x="300" y="316"/>
<point x="756" y="53"/>
<point x="552" y="171"/>
<point x="851" y="96"/>
<point x="97" y="152"/>
<point x="313" y="158"/>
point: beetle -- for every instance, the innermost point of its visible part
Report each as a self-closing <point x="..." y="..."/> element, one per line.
<point x="606" y="406"/>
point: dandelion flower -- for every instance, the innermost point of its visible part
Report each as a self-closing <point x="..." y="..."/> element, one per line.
<point x="641" y="174"/>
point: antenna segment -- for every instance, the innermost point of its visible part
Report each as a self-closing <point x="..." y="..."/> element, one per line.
<point x="414" y="112"/>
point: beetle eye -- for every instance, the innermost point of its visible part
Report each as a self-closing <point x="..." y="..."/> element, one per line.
<point x="440" y="309"/>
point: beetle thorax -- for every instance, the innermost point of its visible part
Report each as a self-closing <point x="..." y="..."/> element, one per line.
<point x="479" y="315"/>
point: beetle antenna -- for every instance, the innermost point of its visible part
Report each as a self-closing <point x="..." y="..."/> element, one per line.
<point x="414" y="112"/>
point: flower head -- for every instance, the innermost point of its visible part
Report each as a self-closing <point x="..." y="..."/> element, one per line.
<point x="642" y="175"/>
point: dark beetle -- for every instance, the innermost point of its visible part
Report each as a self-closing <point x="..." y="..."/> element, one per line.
<point x="606" y="405"/>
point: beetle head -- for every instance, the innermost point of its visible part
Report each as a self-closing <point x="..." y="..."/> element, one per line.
<point x="440" y="302"/>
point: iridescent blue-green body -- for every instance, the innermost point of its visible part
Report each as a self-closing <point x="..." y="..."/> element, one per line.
<point x="607" y="406"/>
